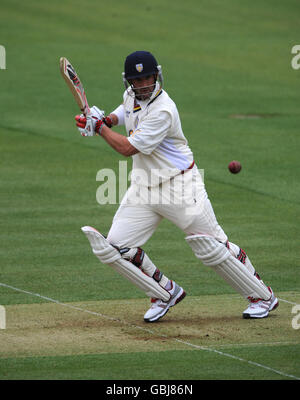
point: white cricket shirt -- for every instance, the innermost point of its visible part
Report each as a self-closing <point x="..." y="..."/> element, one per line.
<point x="154" y="128"/>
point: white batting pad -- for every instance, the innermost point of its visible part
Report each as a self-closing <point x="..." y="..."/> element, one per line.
<point x="216" y="255"/>
<point x="107" y="254"/>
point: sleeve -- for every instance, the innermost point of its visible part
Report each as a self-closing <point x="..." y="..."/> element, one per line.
<point x="151" y="132"/>
<point x="119" y="112"/>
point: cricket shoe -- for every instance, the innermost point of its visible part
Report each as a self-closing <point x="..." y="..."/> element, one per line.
<point x="160" y="308"/>
<point x="260" y="308"/>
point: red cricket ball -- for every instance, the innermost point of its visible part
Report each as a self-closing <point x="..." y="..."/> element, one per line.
<point x="234" y="167"/>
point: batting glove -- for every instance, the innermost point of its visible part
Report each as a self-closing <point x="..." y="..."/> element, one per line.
<point x="91" y="124"/>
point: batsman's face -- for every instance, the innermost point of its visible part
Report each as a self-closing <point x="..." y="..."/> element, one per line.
<point x="143" y="87"/>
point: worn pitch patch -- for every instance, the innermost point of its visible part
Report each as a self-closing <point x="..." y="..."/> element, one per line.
<point x="253" y="116"/>
<point x="114" y="326"/>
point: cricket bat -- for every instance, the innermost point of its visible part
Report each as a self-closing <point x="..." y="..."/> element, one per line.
<point x="72" y="80"/>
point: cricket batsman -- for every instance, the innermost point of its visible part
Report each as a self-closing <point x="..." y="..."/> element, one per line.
<point x="165" y="183"/>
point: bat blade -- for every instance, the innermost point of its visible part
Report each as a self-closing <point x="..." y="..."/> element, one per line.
<point x="75" y="85"/>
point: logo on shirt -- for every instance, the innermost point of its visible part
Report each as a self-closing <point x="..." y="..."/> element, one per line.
<point x="139" y="67"/>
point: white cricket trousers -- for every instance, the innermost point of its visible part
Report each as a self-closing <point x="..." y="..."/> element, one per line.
<point x="182" y="200"/>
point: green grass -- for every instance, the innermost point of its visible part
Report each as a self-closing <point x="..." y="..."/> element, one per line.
<point x="167" y="366"/>
<point x="219" y="59"/>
